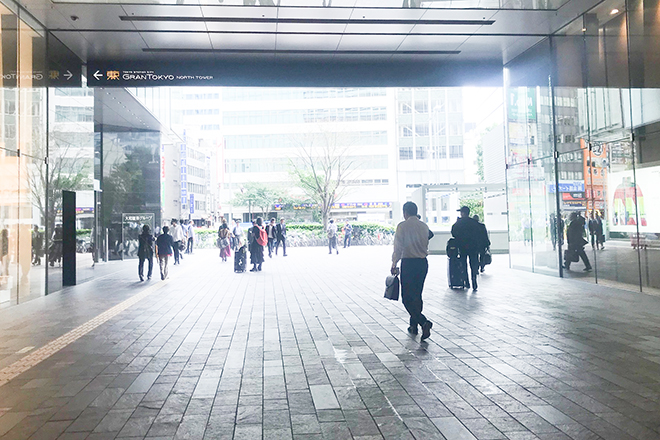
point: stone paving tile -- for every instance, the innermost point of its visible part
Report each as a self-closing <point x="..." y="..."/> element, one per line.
<point x="309" y="349"/>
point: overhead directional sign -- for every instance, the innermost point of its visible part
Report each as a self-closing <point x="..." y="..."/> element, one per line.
<point x="126" y="76"/>
<point x="209" y="71"/>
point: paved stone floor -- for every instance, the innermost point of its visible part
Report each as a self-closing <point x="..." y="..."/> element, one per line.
<point x="309" y="349"/>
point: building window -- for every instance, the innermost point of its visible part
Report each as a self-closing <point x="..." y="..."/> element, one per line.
<point x="405" y="153"/>
<point x="455" y="151"/>
<point x="439" y="152"/>
<point x="421" y="106"/>
<point x="422" y="130"/>
<point x="406" y="131"/>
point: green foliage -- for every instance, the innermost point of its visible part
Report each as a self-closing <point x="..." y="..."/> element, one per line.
<point x="475" y="202"/>
<point x="124" y="187"/>
<point x="259" y="197"/>
<point x="480" y="161"/>
<point x="359" y="228"/>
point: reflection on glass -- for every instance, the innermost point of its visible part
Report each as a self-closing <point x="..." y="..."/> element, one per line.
<point x="520" y="216"/>
<point x="131" y="165"/>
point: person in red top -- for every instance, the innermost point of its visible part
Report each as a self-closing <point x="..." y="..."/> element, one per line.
<point x="256" y="249"/>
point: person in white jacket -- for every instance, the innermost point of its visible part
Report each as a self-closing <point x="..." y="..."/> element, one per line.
<point x="178" y="237"/>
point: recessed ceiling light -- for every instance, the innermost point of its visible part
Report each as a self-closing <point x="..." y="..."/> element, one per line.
<point x="614" y="11"/>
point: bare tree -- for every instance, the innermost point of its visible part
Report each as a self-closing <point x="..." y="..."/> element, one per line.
<point x="322" y="168"/>
<point x="68" y="170"/>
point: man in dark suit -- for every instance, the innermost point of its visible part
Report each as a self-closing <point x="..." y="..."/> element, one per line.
<point x="272" y="237"/>
<point x="466" y="231"/>
<point x="281" y="237"/>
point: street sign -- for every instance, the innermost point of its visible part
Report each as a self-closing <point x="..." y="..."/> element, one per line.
<point x="192" y="203"/>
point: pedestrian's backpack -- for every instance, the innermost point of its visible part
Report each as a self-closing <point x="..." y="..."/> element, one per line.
<point x="452" y="248"/>
<point x="262" y="238"/>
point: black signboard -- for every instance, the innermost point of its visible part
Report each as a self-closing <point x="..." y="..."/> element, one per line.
<point x="126" y="76"/>
<point x="64" y="67"/>
<point x="305" y="73"/>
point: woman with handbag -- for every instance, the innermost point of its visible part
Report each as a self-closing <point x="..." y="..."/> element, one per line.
<point x="224" y="240"/>
<point x="258" y="239"/>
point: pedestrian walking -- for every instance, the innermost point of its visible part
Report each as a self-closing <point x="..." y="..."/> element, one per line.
<point x="595" y="226"/>
<point x="411" y="244"/>
<point x="348" y="235"/>
<point x="4" y="257"/>
<point x="178" y="237"/>
<point x="164" y="249"/>
<point x="576" y="242"/>
<point x="145" y="252"/>
<point x="224" y="240"/>
<point x="332" y="237"/>
<point x="37" y="245"/>
<point x="191" y="237"/>
<point x="236" y="232"/>
<point x="271" y="231"/>
<point x="556" y="230"/>
<point x="483" y="244"/>
<point x="259" y="239"/>
<point x="466" y="231"/>
<point x="281" y="237"/>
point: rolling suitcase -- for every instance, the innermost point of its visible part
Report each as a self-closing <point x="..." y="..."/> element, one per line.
<point x="240" y="260"/>
<point x="456" y="271"/>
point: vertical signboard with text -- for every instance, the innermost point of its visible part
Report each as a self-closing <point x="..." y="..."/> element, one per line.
<point x="184" y="175"/>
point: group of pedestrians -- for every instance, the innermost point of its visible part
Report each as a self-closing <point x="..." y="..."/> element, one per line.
<point x="164" y="244"/>
<point x="473" y="243"/>
<point x="411" y="243"/>
<point x="332" y="232"/>
<point x="257" y="239"/>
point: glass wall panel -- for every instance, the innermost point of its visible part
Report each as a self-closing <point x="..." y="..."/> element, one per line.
<point x="9" y="220"/>
<point x="71" y="130"/>
<point x="543" y="202"/>
<point x="131" y="184"/>
<point x="22" y="154"/>
<point x="607" y="151"/>
<point x="644" y="32"/>
<point x="31" y="230"/>
<point x="520" y="216"/>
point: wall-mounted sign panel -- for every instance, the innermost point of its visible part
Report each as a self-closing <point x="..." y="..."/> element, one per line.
<point x="64" y="67"/>
<point x="297" y="74"/>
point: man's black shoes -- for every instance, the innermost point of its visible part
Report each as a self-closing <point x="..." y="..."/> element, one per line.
<point x="426" y="329"/>
<point x="413" y="330"/>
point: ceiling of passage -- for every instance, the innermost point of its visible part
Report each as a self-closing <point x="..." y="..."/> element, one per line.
<point x="344" y="31"/>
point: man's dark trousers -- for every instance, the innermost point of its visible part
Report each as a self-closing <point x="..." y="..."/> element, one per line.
<point x="177" y="251"/>
<point x="413" y="274"/>
<point x="141" y="266"/>
<point x="281" y="241"/>
<point x="473" y="255"/>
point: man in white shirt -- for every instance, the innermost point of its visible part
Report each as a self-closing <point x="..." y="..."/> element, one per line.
<point x="190" y="232"/>
<point x="411" y="246"/>
<point x="332" y="236"/>
<point x="178" y="237"/>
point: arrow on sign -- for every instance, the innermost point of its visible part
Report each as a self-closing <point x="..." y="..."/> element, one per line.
<point x="97" y="74"/>
<point x="68" y="75"/>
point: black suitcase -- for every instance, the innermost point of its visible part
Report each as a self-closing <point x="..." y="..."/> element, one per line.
<point x="240" y="260"/>
<point x="456" y="271"/>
